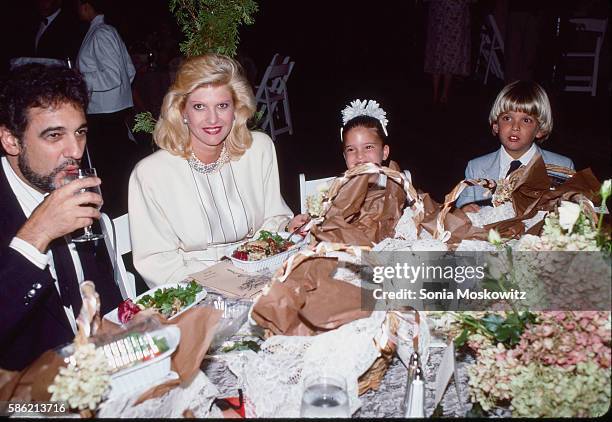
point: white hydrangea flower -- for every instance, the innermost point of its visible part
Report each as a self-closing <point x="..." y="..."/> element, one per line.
<point x="86" y="380"/>
<point x="494" y="237"/>
<point x="365" y="108"/>
<point x="568" y="215"/>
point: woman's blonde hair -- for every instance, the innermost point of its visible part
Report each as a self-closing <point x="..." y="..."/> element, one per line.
<point x="172" y="134"/>
<point x="526" y="97"/>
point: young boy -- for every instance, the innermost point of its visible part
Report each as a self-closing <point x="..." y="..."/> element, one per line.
<point x="520" y="115"/>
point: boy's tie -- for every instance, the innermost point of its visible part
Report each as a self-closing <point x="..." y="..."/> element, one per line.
<point x="513" y="166"/>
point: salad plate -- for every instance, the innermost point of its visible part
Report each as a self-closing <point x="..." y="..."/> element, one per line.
<point x="163" y="298"/>
<point x="267" y="252"/>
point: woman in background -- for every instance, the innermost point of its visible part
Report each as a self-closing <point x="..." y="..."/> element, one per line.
<point x="447" y="49"/>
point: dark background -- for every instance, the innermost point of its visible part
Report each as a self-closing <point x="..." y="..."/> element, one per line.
<point x="344" y="50"/>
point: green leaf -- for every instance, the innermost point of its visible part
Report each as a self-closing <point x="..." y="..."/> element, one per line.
<point x="503" y="333"/>
<point x="144" y="122"/>
<point x="462" y="338"/>
<point x="492" y="322"/>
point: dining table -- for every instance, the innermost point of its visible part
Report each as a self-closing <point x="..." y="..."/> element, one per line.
<point x="215" y="380"/>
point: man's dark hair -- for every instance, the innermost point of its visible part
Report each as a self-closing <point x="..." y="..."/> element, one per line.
<point x="37" y="85"/>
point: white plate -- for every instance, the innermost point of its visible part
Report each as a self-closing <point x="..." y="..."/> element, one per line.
<point x="151" y="372"/>
<point x="112" y="316"/>
<point x="272" y="262"/>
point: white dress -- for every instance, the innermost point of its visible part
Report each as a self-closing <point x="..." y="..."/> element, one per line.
<point x="182" y="221"/>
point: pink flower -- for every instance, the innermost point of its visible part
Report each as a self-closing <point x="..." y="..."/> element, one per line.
<point x="547" y="330"/>
<point x="557" y="315"/>
<point x="581" y="338"/>
<point x="569" y="325"/>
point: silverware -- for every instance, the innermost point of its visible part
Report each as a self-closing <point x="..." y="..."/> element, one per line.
<point x="296" y="230"/>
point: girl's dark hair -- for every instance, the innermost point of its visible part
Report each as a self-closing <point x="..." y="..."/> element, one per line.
<point x="37" y="85"/>
<point x="367" y="122"/>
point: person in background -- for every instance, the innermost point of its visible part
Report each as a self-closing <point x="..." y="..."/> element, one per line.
<point x="212" y="184"/>
<point x="43" y="133"/>
<point x="105" y="63"/>
<point x="57" y="34"/>
<point x="447" y="48"/>
<point x="520" y="116"/>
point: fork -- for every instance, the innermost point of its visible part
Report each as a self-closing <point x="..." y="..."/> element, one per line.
<point x="296" y="230"/>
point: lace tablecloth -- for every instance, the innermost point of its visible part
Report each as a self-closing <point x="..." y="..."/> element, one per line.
<point x="386" y="401"/>
<point x="216" y="380"/>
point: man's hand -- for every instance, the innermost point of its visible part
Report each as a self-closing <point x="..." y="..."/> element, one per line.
<point x="63" y="211"/>
<point x="470" y="208"/>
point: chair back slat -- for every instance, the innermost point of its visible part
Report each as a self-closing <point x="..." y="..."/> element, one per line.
<point x="272" y="93"/>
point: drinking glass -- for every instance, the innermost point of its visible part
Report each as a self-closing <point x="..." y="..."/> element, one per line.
<point x="82" y="174"/>
<point x="325" y="396"/>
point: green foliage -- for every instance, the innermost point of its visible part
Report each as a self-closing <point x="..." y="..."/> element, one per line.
<point x="211" y="26"/>
<point x="257" y="120"/>
<point x="497" y="328"/>
<point x="144" y="122"/>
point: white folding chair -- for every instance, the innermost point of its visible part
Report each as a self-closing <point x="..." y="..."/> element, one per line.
<point x="310" y="187"/>
<point x="118" y="243"/>
<point x="491" y="49"/>
<point x="587" y="83"/>
<point x="271" y="92"/>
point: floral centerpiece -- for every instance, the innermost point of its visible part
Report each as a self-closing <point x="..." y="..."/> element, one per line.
<point x="559" y="367"/>
<point x="546" y="363"/>
<point x="314" y="202"/>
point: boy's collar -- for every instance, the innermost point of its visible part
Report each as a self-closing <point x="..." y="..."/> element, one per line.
<point x="524" y="159"/>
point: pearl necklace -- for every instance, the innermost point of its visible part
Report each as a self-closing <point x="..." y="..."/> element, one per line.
<point x="200" y="167"/>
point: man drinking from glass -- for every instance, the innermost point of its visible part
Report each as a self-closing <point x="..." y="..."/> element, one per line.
<point x="43" y="131"/>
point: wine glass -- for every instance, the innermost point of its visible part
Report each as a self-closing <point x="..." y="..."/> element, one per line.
<point x="325" y="396"/>
<point x="82" y="174"/>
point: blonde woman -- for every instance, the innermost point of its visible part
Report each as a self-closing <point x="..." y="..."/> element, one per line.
<point x="212" y="184"/>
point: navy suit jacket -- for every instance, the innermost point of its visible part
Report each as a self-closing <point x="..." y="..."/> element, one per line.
<point x="487" y="167"/>
<point x="29" y="327"/>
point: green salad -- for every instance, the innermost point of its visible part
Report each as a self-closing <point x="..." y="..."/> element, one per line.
<point x="172" y="300"/>
<point x="265" y="235"/>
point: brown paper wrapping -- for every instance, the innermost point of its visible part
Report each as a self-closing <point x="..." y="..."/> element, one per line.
<point x="532" y="193"/>
<point x="31" y="383"/>
<point x="309" y="301"/>
<point x="362" y="214"/>
<point x="197" y="326"/>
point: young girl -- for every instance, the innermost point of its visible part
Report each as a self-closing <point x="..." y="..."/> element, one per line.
<point x="364" y="134"/>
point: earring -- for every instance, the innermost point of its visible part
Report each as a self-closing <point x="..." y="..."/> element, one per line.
<point x="185" y="120"/>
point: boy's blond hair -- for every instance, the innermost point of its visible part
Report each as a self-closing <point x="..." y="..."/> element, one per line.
<point x="526" y="97"/>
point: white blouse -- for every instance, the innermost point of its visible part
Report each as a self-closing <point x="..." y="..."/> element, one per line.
<point x="182" y="221"/>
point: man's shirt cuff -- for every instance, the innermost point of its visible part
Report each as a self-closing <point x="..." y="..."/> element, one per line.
<point x="30" y="252"/>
